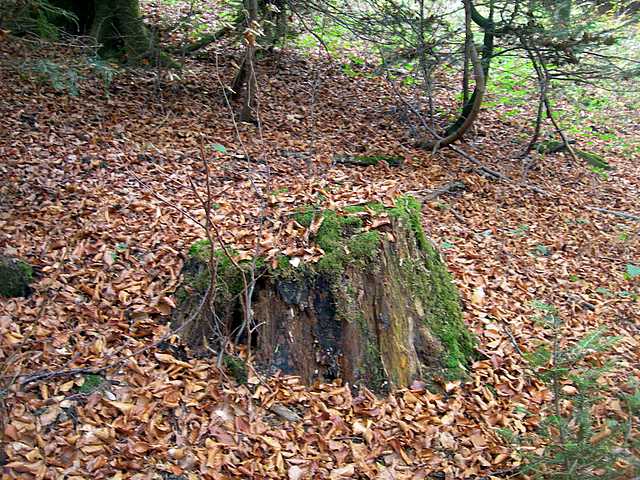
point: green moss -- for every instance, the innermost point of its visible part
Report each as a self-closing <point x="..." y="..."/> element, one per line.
<point x="230" y="281"/>
<point x="553" y="146"/>
<point x="393" y="160"/>
<point x="341" y="239"/>
<point x="27" y="270"/>
<point x="433" y="285"/>
<point x="200" y="249"/>
<point x="409" y="209"/>
<point x="369" y="160"/>
<point x="283" y="262"/>
<point x="304" y="216"/>
<point x="182" y="294"/>
<point x="15" y="276"/>
<point x="92" y="382"/>
<point x="237" y="368"/>
<point x="376" y="207"/>
<point x="364" y="245"/>
<point x="593" y="159"/>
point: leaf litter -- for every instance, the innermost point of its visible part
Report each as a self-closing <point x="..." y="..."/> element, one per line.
<point x="91" y="194"/>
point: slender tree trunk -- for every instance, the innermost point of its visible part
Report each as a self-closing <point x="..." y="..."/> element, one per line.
<point x="245" y="81"/>
<point x="478" y="95"/>
<point x="468" y="38"/>
<point x="488" y="27"/>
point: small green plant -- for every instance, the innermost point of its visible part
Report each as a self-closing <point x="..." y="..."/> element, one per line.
<point x="60" y="78"/>
<point x="92" y="382"/>
<point x="102" y="70"/>
<point x="632" y="271"/>
<point x="604" y="291"/>
<point x="219" y="148"/>
<point x="542" y="251"/>
<point x="446" y="245"/>
<point x="578" y="445"/>
<point x="520" y="231"/>
<point x="348" y="70"/>
<point x="601" y="172"/>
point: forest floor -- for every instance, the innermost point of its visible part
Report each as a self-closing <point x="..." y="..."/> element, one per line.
<point x="91" y="188"/>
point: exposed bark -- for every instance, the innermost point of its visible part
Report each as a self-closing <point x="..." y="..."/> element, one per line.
<point x="373" y="311"/>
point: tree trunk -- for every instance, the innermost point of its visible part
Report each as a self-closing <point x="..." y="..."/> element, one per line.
<point x="120" y="20"/>
<point x="474" y="103"/>
<point x="379" y="309"/>
<point x="116" y="26"/>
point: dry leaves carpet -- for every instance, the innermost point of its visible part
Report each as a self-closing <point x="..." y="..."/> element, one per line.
<point x="80" y="180"/>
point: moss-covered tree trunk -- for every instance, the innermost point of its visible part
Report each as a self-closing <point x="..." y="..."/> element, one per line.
<point x="120" y="19"/>
<point x="116" y="25"/>
<point x="379" y="309"/>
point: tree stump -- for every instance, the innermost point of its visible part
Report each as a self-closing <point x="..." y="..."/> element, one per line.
<point x="379" y="309"/>
<point x="15" y="276"/>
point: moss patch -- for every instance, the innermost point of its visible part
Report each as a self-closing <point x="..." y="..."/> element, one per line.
<point x="230" y="281"/>
<point x="341" y="238"/>
<point x="369" y="160"/>
<point x="237" y="368"/>
<point x="553" y="146"/>
<point x="408" y="209"/>
<point x="433" y="285"/>
<point x="15" y="276"/>
<point x="92" y="382"/>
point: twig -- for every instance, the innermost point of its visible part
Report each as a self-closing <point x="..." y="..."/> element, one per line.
<point x="617" y="213"/>
<point x="513" y="340"/>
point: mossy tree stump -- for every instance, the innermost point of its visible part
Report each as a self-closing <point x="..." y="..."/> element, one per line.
<point x="15" y="276"/>
<point x="379" y="308"/>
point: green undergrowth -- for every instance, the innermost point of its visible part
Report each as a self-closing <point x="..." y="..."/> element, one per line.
<point x="92" y="382"/>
